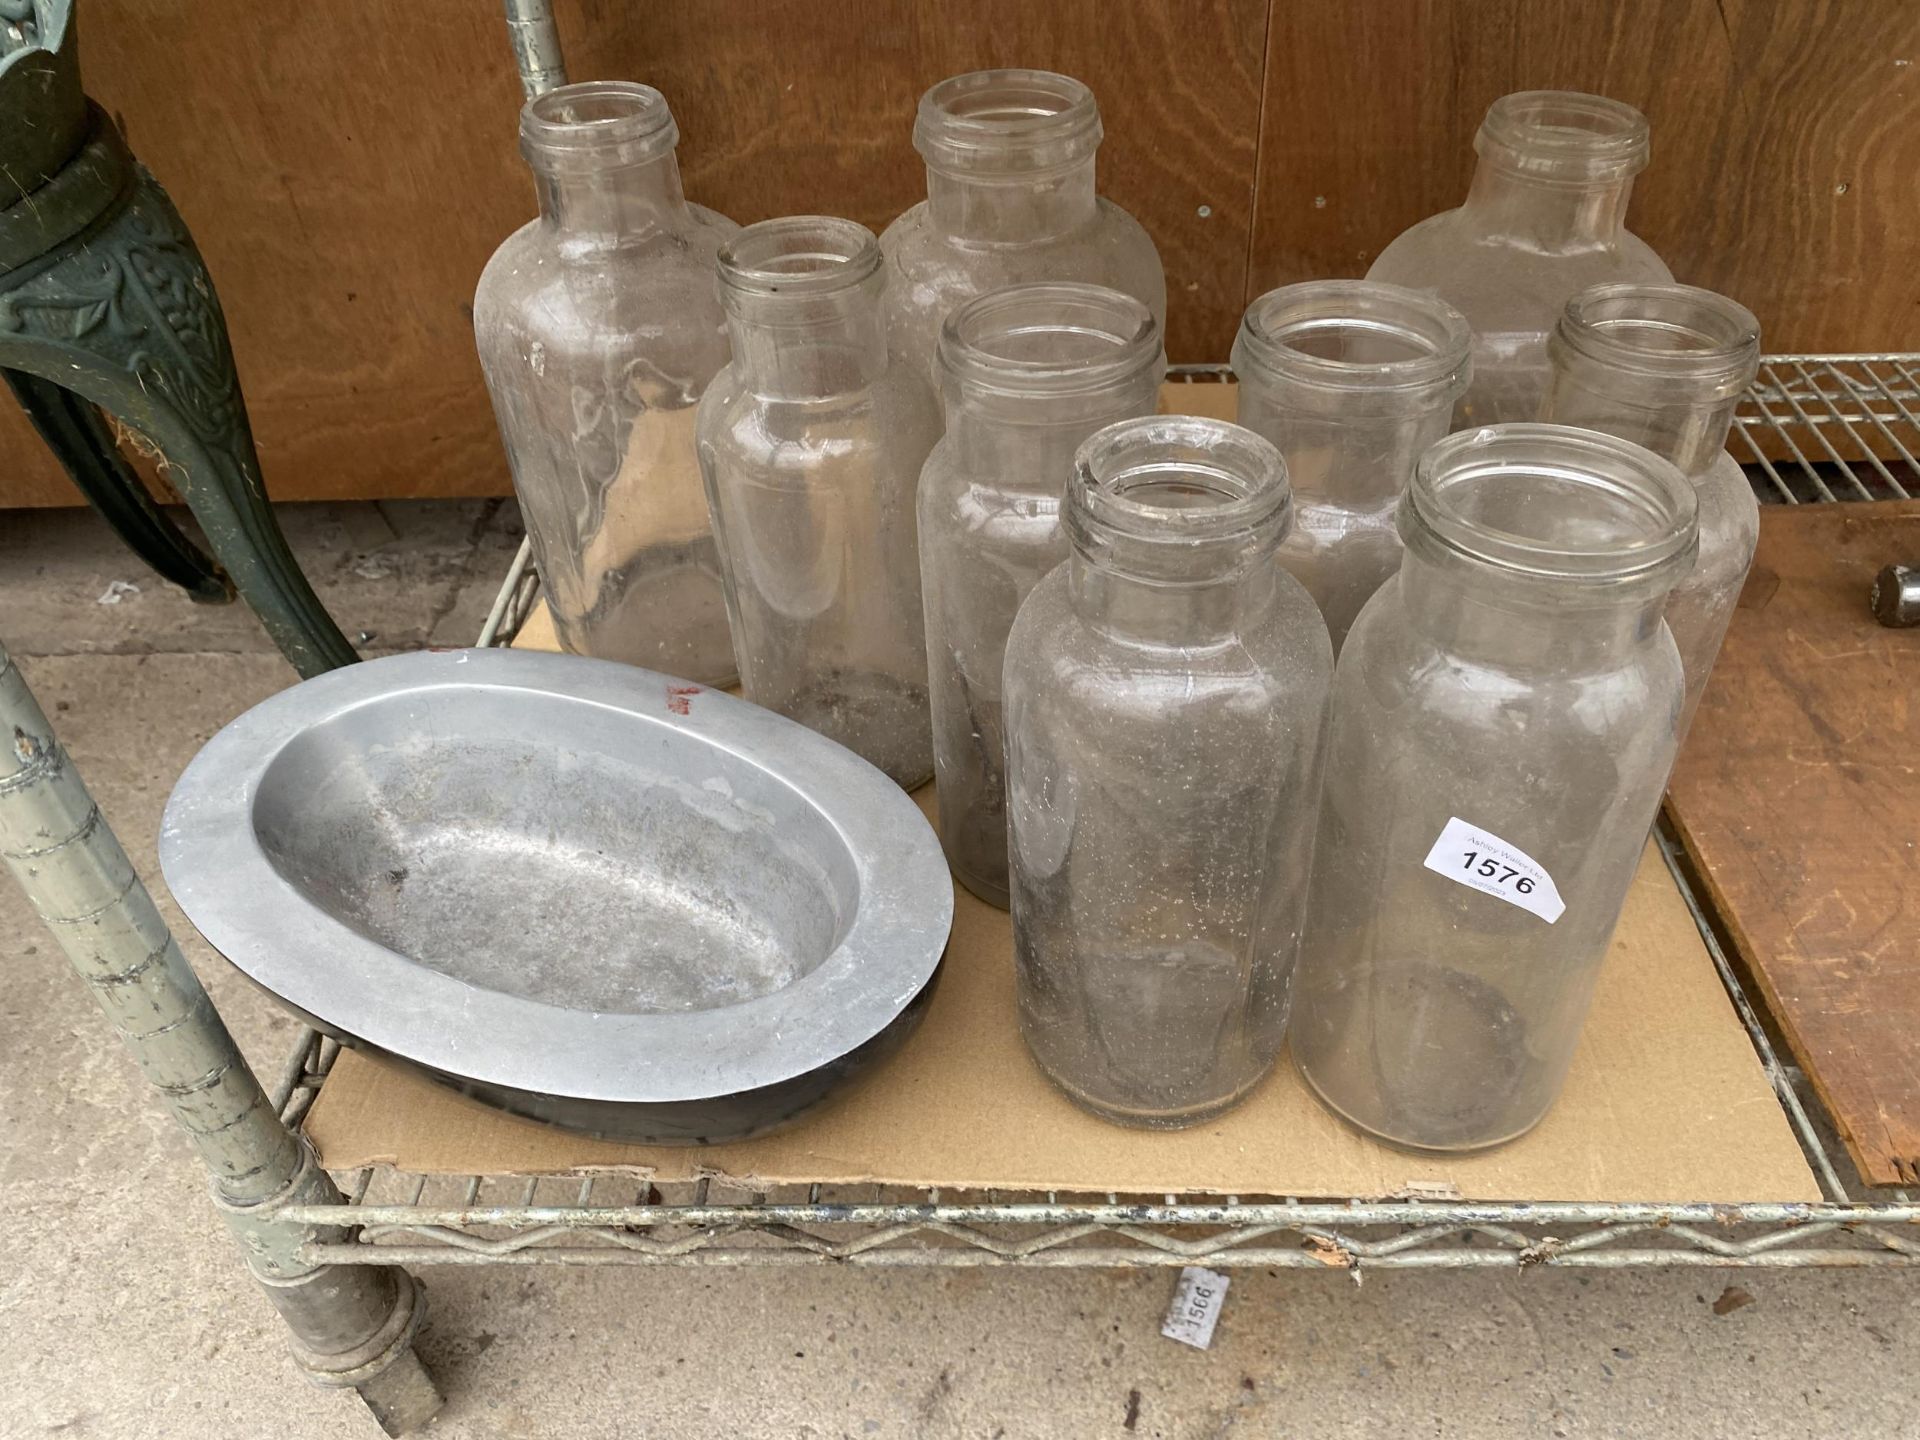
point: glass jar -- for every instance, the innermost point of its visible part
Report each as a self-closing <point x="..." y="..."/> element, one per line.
<point x="811" y="442"/>
<point x="598" y="332"/>
<point x="1546" y="217"/>
<point x="1166" y="702"/>
<point x="1665" y="366"/>
<point x="1352" y="380"/>
<point x="1010" y="198"/>
<point x="1029" y="372"/>
<point x="1504" y="716"/>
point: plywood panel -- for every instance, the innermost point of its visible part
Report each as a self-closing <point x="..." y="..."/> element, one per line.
<point x="347" y="169"/>
<point x="1799" y="800"/>
<point x="1786" y="140"/>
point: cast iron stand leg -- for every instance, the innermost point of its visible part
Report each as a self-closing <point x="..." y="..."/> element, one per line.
<point x="75" y="432"/>
<point x="102" y="292"/>
<point x="352" y="1325"/>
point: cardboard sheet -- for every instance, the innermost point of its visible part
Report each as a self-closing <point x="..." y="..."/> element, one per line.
<point x="1666" y="1100"/>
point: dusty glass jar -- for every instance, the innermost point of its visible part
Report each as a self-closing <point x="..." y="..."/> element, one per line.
<point x="1504" y="716"/>
<point x="1665" y="366"/>
<point x="598" y="331"/>
<point x="1029" y="372"/>
<point x="1352" y="380"/>
<point x="811" y="443"/>
<point x="1010" y="198"/>
<point x="1166" y="701"/>
<point x="1546" y="217"/>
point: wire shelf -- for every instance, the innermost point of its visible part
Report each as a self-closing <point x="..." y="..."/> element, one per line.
<point x="1813" y="429"/>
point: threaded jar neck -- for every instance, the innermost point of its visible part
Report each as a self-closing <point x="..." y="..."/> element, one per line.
<point x="1051" y="354"/>
<point x="1661" y="365"/>
<point x="1562" y="137"/>
<point x="1354" y="347"/>
<point x="1571" y="514"/>
<point x="597" y="125"/>
<point x="802" y="299"/>
<point x="1177" y="500"/>
<point x="1024" y="124"/>
<point x="1673" y="342"/>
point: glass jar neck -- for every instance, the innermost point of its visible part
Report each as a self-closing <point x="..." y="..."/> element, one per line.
<point x="1556" y="170"/>
<point x="1552" y="217"/>
<point x="1661" y="365"/>
<point x="1539" y="545"/>
<point x="615" y="205"/>
<point x="1173" y="521"/>
<point x="802" y="300"/>
<point x="1028" y="372"/>
<point x="1011" y="209"/>
<point x="1351" y="379"/>
<point x="1009" y="155"/>
<point x="1458" y="609"/>
<point x="602" y="155"/>
<point x="1187" y="617"/>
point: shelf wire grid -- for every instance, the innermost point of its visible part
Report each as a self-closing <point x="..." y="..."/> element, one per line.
<point x="1812" y="429"/>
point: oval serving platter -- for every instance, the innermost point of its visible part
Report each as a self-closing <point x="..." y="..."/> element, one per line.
<point x="578" y="891"/>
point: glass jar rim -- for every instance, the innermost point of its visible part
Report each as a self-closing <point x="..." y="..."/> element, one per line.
<point x="1651" y="530"/>
<point x="1438" y="365"/>
<point x="598" y="122"/>
<point x="1225" y="488"/>
<point x="1681" y="334"/>
<point x="1565" y="135"/>
<point x="1009" y="122"/>
<point x="1066" y="308"/>
<point x="798" y="256"/>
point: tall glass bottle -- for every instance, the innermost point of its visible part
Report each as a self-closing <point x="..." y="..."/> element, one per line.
<point x="1029" y="372"/>
<point x="598" y="331"/>
<point x="811" y="443"/>
<point x="1546" y="217"/>
<point x="1665" y="366"/>
<point x="1504" y="716"/>
<point x="1352" y="380"/>
<point x="1010" y="198"/>
<point x="1166" y="701"/>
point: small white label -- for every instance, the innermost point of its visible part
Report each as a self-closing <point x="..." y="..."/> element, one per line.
<point x="1196" y="1307"/>
<point x="1482" y="861"/>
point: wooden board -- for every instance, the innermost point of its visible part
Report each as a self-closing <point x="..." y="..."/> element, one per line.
<point x="1799" y="799"/>
<point x="347" y="169"/>
<point x="1786" y="138"/>
<point x="1666" y="1101"/>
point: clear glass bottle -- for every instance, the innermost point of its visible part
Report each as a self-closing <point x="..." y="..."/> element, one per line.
<point x="598" y="331"/>
<point x="1029" y="372"/>
<point x="1166" y="702"/>
<point x="1010" y="198"/>
<point x="1546" y="217"/>
<point x="1504" y="716"/>
<point x="811" y="443"/>
<point x="1665" y="366"/>
<point x="1352" y="380"/>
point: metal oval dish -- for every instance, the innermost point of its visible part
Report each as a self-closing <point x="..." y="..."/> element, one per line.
<point x="581" y="892"/>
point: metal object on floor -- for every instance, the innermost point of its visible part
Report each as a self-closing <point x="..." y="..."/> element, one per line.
<point x="1895" y="597"/>
<point x="350" y="1326"/>
<point x="606" y="1220"/>
<point x="753" y="915"/>
<point x="103" y="294"/>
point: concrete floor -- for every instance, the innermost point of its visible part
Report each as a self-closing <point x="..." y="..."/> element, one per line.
<point x="127" y="1314"/>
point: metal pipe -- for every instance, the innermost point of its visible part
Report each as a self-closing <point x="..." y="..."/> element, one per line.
<point x="350" y="1326"/>
<point x="536" y="46"/>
